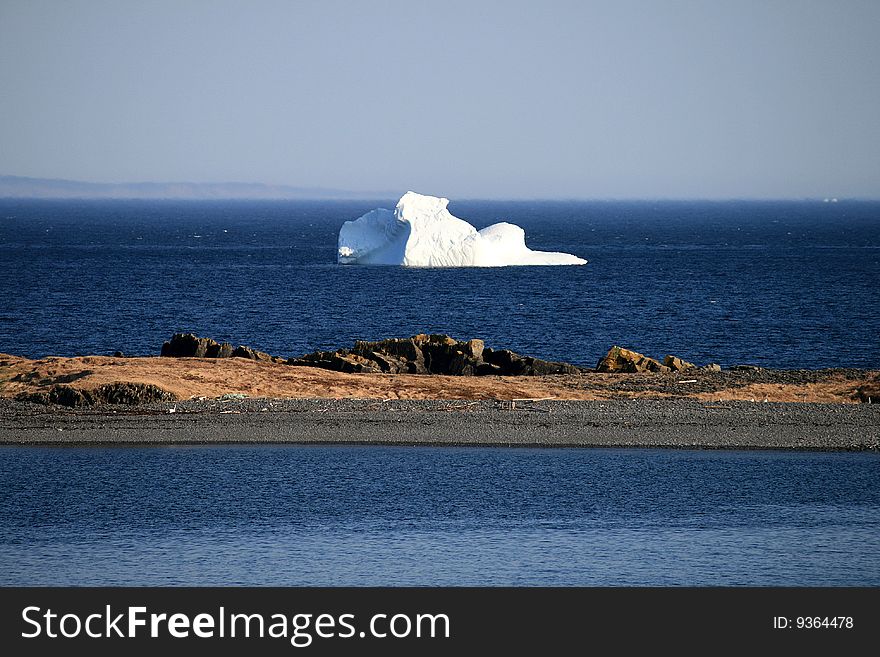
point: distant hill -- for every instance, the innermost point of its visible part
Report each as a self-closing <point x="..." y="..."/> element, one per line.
<point x="21" y="187"/>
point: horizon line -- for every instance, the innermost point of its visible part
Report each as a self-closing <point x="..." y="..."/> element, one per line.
<point x="297" y="193"/>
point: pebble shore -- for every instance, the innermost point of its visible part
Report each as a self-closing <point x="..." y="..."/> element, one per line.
<point x="670" y="423"/>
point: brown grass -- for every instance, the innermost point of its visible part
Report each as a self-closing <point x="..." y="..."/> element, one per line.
<point x="207" y="377"/>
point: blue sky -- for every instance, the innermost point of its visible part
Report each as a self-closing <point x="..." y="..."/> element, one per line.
<point x="461" y="99"/>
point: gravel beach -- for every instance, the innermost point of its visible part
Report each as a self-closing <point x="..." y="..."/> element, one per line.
<point x="673" y="423"/>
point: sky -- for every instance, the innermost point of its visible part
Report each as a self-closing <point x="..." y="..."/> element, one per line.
<point x="474" y="99"/>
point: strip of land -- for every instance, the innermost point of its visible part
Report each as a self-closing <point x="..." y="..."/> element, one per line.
<point x="631" y="423"/>
<point x="188" y="378"/>
<point x="236" y="400"/>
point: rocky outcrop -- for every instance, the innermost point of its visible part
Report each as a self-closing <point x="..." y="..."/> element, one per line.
<point x="339" y="361"/>
<point x="512" y="364"/>
<point x="676" y="364"/>
<point x="110" y="393"/>
<point x="626" y="361"/>
<point x="222" y="350"/>
<point x="187" y="345"/>
<point x="395" y="355"/>
<point x="251" y="354"/>
<point x="869" y="393"/>
<point x="620" y="360"/>
<point x="60" y="394"/>
<point x="131" y="393"/>
<point x="431" y="354"/>
<point x="428" y="354"/>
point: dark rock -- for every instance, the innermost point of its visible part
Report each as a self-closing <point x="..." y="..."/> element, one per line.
<point x="441" y="354"/>
<point x="118" y="354"/>
<point x="446" y="358"/>
<point x="252" y="354"/>
<point x="431" y="354"/>
<point x="869" y="393"/>
<point x="422" y="354"/>
<point x="538" y="367"/>
<point x="339" y="361"/>
<point x="391" y="364"/>
<point x="511" y="363"/>
<point x="387" y="364"/>
<point x="216" y="350"/>
<point x="487" y="369"/>
<point x="393" y="355"/>
<point x="676" y="364"/>
<point x="452" y="362"/>
<point x="131" y="393"/>
<point x="187" y="345"/>
<point x="64" y="395"/>
<point x="402" y="348"/>
<point x="109" y="393"/>
<point x="414" y="367"/>
<point x="627" y="361"/>
<point x="354" y="364"/>
<point x="504" y="359"/>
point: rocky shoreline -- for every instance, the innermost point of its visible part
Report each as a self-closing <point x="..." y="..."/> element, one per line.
<point x="418" y="354"/>
<point x="431" y="354"/>
<point x="421" y="366"/>
<point x="680" y="423"/>
<point x="430" y="390"/>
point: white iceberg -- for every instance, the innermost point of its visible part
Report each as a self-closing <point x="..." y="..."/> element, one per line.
<point x="420" y="232"/>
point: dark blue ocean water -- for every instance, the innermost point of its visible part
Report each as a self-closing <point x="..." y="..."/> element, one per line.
<point x="295" y="515"/>
<point x="782" y="284"/>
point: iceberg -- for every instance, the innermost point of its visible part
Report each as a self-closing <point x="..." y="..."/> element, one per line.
<point x="421" y="232"/>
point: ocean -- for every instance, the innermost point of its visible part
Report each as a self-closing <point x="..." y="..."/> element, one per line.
<point x="400" y="516"/>
<point x="777" y="284"/>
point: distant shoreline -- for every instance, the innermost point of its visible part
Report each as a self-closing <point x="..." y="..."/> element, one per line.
<point x="676" y="424"/>
<point x="25" y="188"/>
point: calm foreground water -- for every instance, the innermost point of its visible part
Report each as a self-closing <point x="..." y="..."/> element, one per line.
<point x="295" y="515"/>
<point x="780" y="284"/>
